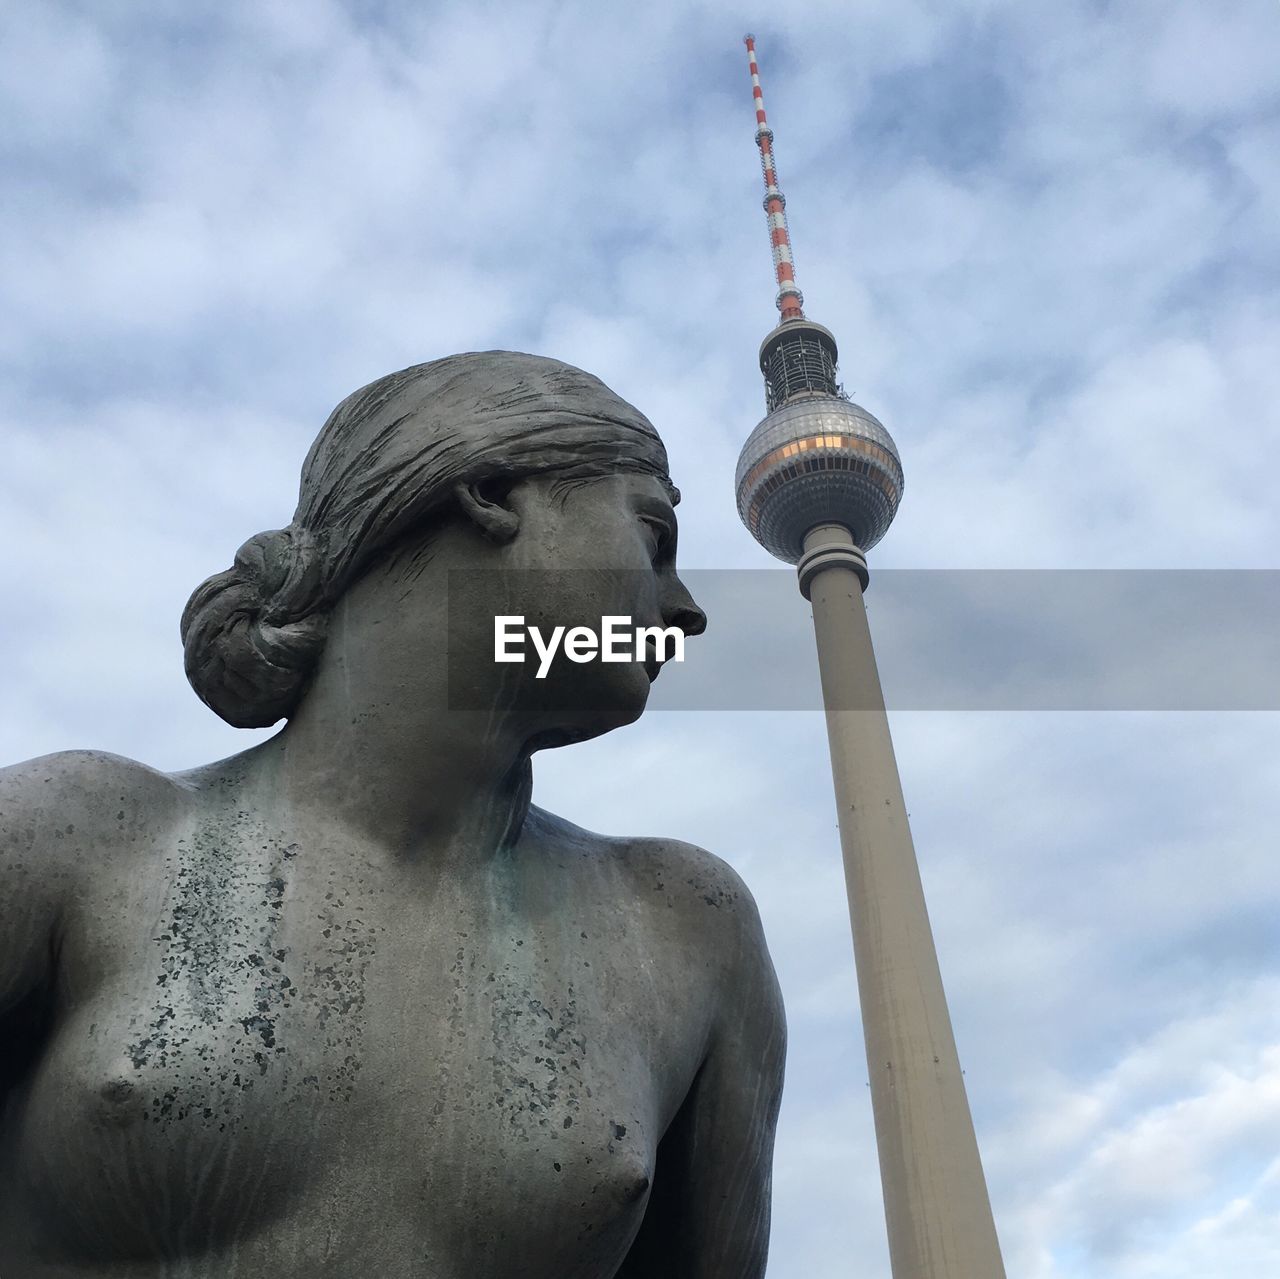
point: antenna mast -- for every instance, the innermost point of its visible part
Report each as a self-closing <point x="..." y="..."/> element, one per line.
<point x="790" y="299"/>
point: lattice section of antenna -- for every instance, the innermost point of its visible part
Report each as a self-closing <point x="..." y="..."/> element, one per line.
<point x="800" y="361"/>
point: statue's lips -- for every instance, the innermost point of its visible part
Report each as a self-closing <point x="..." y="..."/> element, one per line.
<point x="652" y="663"/>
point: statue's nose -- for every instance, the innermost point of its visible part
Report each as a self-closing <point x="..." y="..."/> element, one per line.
<point x="681" y="611"/>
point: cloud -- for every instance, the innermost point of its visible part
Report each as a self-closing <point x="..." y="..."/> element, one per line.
<point x="1173" y="1147"/>
<point x="1045" y="239"/>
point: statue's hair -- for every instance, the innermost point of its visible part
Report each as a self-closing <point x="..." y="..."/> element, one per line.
<point x="388" y="462"/>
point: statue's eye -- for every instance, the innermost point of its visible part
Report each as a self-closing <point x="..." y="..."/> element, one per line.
<point x="659" y="534"/>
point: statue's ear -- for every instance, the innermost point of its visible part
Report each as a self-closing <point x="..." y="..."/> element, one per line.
<point x="485" y="503"/>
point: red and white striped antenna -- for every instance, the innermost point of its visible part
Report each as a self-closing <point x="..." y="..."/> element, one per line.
<point x="790" y="299"/>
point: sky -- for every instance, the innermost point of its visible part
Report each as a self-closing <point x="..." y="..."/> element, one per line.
<point x="1045" y="236"/>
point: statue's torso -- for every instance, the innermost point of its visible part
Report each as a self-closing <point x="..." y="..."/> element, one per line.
<point x="294" y="1058"/>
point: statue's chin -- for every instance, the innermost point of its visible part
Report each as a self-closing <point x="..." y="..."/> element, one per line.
<point x="597" y="711"/>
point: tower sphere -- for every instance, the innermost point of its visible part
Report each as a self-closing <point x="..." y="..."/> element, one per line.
<point x="817" y="459"/>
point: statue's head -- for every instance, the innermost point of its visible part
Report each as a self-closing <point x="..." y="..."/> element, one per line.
<point x="486" y="461"/>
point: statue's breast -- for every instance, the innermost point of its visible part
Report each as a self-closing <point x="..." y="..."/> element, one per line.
<point x="535" y="1127"/>
<point x="123" y="1152"/>
<point x="175" y="1105"/>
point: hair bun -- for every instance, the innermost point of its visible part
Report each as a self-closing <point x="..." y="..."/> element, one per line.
<point x="251" y="635"/>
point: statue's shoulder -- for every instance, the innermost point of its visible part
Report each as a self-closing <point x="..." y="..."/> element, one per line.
<point x="79" y="798"/>
<point x="697" y="877"/>
<point x="673" y="874"/>
<point x="80" y="773"/>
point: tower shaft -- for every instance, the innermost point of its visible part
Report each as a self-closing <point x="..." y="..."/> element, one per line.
<point x="790" y="299"/>
<point x="936" y="1204"/>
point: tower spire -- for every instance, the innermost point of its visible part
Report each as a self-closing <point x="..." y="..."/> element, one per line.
<point x="790" y="299"/>
<point x="799" y="357"/>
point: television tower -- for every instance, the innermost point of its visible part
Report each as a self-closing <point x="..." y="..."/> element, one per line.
<point x="818" y="482"/>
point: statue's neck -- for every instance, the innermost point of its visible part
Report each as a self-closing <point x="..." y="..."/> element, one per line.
<point x="455" y="787"/>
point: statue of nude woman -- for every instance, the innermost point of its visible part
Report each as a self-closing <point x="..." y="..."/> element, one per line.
<point x="347" y="1004"/>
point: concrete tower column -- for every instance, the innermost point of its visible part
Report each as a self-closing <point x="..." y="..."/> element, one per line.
<point x="935" y="1195"/>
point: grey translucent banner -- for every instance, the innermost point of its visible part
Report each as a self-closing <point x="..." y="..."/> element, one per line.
<point x="1131" y="640"/>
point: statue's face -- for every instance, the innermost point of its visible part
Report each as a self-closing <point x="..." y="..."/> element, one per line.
<point x="595" y="548"/>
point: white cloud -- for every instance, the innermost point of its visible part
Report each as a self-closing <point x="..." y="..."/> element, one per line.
<point x="1171" y="1151"/>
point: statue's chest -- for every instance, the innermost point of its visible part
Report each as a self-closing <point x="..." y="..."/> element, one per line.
<point x="266" y="1047"/>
